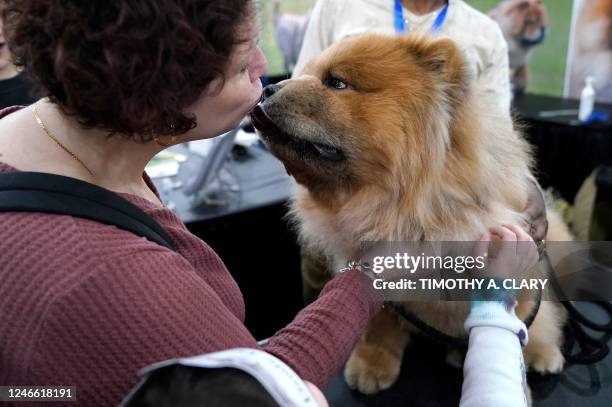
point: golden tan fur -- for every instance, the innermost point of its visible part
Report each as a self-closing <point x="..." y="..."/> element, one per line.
<point x="423" y="160"/>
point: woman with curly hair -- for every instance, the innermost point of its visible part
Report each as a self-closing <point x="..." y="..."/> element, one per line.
<point x="87" y="304"/>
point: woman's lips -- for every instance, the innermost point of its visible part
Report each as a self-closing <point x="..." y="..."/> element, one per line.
<point x="255" y="104"/>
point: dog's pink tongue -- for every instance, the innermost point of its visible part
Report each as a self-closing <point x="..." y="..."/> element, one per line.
<point x="260" y="119"/>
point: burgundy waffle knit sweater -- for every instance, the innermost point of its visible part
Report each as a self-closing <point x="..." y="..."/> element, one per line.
<point x="87" y="305"/>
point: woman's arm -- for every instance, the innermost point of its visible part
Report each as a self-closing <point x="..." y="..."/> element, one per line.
<point x="129" y="312"/>
<point x="321" y="337"/>
<point x="138" y="309"/>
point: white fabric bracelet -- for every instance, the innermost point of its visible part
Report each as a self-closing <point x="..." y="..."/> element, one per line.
<point x="494" y="369"/>
<point x="496" y="314"/>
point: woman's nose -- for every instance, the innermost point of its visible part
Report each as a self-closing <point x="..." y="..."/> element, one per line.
<point x="260" y="66"/>
<point x="270" y="90"/>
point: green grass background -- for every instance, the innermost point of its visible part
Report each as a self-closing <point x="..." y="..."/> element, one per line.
<point x="546" y="69"/>
<point x="547" y="65"/>
<point x="268" y="37"/>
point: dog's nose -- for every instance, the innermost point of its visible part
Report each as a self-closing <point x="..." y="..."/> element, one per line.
<point x="269" y="91"/>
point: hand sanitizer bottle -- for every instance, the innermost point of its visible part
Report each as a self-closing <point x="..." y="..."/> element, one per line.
<point x="587" y="100"/>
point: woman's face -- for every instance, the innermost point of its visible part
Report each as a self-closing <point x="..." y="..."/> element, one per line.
<point x="219" y="111"/>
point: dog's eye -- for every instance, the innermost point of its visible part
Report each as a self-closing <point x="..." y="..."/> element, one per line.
<point x="335" y="83"/>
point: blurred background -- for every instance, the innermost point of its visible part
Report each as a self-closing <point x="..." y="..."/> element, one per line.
<point x="547" y="66"/>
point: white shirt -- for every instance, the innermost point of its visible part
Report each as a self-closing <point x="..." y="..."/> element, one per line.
<point x="479" y="37"/>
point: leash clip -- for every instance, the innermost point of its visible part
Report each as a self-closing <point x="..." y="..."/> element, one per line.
<point x="541" y="245"/>
<point x="355" y="265"/>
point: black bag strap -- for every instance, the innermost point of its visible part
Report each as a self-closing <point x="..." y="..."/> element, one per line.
<point x="591" y="349"/>
<point x="50" y="193"/>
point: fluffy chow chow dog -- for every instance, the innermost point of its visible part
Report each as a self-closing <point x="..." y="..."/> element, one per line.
<point x="524" y="24"/>
<point x="390" y="139"/>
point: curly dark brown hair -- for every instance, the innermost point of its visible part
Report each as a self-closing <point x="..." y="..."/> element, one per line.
<point x="126" y="66"/>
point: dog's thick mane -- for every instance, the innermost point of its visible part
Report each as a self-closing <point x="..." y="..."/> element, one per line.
<point x="479" y="179"/>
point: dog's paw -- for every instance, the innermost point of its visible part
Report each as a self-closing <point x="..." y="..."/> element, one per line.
<point x="371" y="369"/>
<point x="544" y="359"/>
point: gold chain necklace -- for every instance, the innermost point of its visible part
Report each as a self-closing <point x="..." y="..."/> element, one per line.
<point x="52" y="137"/>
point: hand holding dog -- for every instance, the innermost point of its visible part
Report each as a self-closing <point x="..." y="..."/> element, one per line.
<point x="515" y="256"/>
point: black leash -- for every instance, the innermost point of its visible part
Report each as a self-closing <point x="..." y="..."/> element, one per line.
<point x="445" y="339"/>
<point x="592" y="350"/>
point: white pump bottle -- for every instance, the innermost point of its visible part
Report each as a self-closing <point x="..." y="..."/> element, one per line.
<point x="587" y="100"/>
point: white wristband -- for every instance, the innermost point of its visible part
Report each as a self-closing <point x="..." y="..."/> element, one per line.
<point x="496" y="314"/>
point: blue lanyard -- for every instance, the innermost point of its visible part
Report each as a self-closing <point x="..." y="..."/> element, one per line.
<point x="400" y="26"/>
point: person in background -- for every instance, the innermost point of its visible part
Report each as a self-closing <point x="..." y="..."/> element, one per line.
<point x="234" y="377"/>
<point x="15" y="89"/>
<point x="479" y="37"/>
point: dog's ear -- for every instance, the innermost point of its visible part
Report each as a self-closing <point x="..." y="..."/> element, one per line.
<point x="441" y="57"/>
